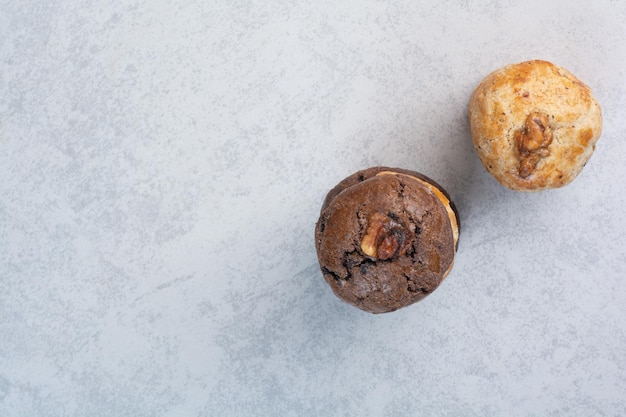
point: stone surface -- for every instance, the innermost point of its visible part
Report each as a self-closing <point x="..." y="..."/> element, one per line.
<point x="162" y="166"/>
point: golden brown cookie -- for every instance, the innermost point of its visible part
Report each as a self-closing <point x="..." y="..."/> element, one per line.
<point x="534" y="125"/>
<point x="386" y="238"/>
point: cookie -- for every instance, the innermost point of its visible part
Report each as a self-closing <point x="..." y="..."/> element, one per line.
<point x="386" y="238"/>
<point x="534" y="125"/>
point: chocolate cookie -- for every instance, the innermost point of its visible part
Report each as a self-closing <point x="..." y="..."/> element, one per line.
<point x="386" y="238"/>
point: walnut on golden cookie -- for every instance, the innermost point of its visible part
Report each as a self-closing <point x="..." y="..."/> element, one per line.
<point x="534" y="125"/>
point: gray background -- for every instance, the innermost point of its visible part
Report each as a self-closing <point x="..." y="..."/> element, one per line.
<point x="162" y="166"/>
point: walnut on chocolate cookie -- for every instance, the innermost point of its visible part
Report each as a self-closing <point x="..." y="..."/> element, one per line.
<point x="534" y="125"/>
<point x="386" y="238"/>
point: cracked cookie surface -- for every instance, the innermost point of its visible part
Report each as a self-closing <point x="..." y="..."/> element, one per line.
<point x="384" y="239"/>
<point x="534" y="125"/>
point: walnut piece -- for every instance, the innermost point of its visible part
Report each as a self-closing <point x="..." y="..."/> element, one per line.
<point x="533" y="141"/>
<point x="384" y="238"/>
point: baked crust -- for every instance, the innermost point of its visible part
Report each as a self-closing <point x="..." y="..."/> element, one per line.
<point x="534" y="125"/>
<point x="410" y="258"/>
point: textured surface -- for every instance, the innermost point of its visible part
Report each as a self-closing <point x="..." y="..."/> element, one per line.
<point x="534" y="125"/>
<point x="162" y="166"/>
<point x="384" y="240"/>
